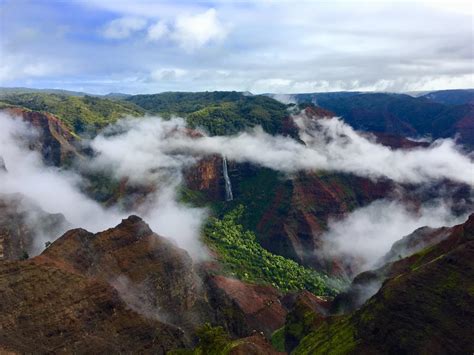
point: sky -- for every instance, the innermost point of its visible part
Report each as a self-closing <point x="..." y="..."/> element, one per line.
<point x="144" y="46"/>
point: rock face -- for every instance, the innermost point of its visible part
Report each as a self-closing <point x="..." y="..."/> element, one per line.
<point x="241" y="307"/>
<point x="56" y="143"/>
<point x="425" y="305"/>
<point x="21" y="221"/>
<point x="155" y="277"/>
<point x="207" y="177"/>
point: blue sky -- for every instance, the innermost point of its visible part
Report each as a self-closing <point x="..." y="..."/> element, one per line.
<point x="102" y="46"/>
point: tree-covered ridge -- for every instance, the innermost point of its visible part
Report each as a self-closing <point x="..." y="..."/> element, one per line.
<point x="242" y="257"/>
<point x="81" y="114"/>
<point x="219" y="112"/>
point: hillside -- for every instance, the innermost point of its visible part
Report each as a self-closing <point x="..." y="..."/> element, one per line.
<point x="404" y="115"/>
<point x="425" y="306"/>
<point x="451" y="97"/>
<point x="82" y="115"/>
<point x="219" y="112"/>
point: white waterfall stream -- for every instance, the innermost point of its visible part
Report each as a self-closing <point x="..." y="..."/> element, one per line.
<point x="228" y="185"/>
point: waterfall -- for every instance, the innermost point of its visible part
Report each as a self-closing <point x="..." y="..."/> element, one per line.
<point x="228" y="185"/>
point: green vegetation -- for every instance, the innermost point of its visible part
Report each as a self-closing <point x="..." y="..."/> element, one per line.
<point x="257" y="193"/>
<point x="244" y="258"/>
<point x="212" y="341"/>
<point x="337" y="336"/>
<point x="278" y="339"/>
<point x="217" y="112"/>
<point x="80" y="114"/>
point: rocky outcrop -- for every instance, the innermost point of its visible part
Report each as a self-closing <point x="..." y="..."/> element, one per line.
<point x="55" y="142"/>
<point x="242" y="308"/>
<point x="25" y="227"/>
<point x="154" y="276"/>
<point x="207" y="177"/>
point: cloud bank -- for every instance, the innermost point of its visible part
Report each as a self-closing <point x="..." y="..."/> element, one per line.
<point x="150" y="146"/>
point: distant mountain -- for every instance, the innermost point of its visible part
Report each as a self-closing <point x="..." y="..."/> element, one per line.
<point x="116" y="95"/>
<point x="220" y="112"/>
<point x="312" y="97"/>
<point x="451" y="97"/>
<point x="20" y="90"/>
<point x="404" y="115"/>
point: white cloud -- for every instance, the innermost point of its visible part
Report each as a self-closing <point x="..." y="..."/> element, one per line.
<point x="154" y="145"/>
<point x="19" y="67"/>
<point x="168" y="74"/>
<point x="189" y="31"/>
<point x="194" y="31"/>
<point x="157" y="31"/>
<point x="123" y="27"/>
<point x="315" y="46"/>
<point x="362" y="237"/>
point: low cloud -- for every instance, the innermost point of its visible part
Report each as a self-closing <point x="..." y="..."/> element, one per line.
<point x="362" y="237"/>
<point x="152" y="144"/>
